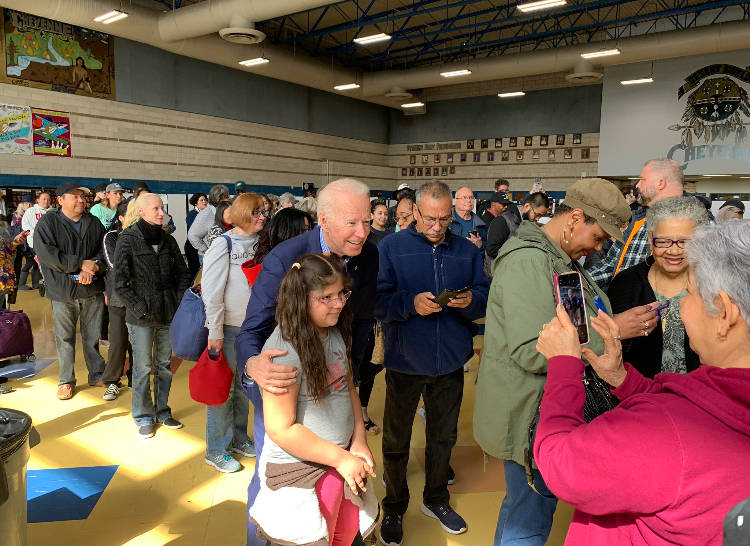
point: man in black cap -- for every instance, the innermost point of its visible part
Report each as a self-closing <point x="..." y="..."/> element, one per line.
<point x="498" y="203"/>
<point x="68" y="243"/>
<point x="138" y="188"/>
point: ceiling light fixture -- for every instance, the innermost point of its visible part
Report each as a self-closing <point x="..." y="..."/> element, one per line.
<point x="542" y="4"/>
<point x="712" y="175"/>
<point x="601" y="53"/>
<point x="111" y="17"/>
<point x="637" y="81"/>
<point x="346" y="86"/>
<point x="634" y="177"/>
<point x="412" y="105"/>
<point x="454" y="73"/>
<point x="382" y="37"/>
<point x="254" y="62"/>
<point x="511" y="94"/>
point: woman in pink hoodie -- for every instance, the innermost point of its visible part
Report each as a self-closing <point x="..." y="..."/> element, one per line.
<point x="673" y="458"/>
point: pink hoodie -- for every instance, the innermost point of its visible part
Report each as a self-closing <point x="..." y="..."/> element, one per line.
<point x="664" y="467"/>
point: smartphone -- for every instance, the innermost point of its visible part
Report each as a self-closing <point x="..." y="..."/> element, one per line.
<point x="474" y="232"/>
<point x="445" y="297"/>
<point x="569" y="294"/>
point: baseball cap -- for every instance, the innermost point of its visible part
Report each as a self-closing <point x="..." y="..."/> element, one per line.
<point x="403" y="186"/>
<point x="240" y="185"/>
<point x="100" y="187"/>
<point x="601" y="200"/>
<point x="26" y="199"/>
<point x="67" y="187"/>
<point x="500" y="197"/>
<point x="140" y="186"/>
<point x="114" y="186"/>
<point x="734" y="203"/>
<point x="287" y="198"/>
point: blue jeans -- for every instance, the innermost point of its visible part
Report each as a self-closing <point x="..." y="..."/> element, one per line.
<point x="227" y="424"/>
<point x="259" y="434"/>
<point x="525" y="515"/>
<point x="151" y="347"/>
<point x="65" y="314"/>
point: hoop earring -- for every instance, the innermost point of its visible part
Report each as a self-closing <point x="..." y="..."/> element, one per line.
<point x="564" y="238"/>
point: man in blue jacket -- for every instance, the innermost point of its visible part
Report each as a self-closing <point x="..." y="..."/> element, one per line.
<point x="427" y="345"/>
<point x="344" y="224"/>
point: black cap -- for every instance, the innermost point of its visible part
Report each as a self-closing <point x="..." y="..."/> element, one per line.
<point x="67" y="187"/>
<point x="705" y="201"/>
<point x="140" y="186"/>
<point x="734" y="203"/>
<point x="100" y="187"/>
<point x="500" y="197"/>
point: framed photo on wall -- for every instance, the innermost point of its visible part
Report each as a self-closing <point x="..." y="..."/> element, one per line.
<point x="477" y="157"/>
<point x="519" y="155"/>
<point x="560" y="140"/>
<point x="504" y="155"/>
<point x="420" y="171"/>
<point x="551" y="155"/>
<point x="470" y="144"/>
<point x="543" y="140"/>
<point x="412" y="159"/>
<point x="585" y="153"/>
<point x="403" y="171"/>
<point x="535" y="154"/>
<point x="427" y="171"/>
<point x="498" y="142"/>
<point x="425" y="158"/>
<point x="528" y="141"/>
<point x="453" y="169"/>
<point x="512" y="142"/>
<point x="490" y="156"/>
<point x="449" y="158"/>
<point x="444" y="171"/>
<point x="568" y="153"/>
<point x="463" y="157"/>
<point x="576" y="138"/>
<point x="437" y="158"/>
<point x="484" y="143"/>
<point x="412" y="171"/>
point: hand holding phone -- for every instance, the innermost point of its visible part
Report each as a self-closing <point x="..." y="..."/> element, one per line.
<point x="446" y="296"/>
<point x="569" y="294"/>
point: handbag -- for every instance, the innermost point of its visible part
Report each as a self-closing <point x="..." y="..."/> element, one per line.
<point x="378" y="351"/>
<point x="188" y="333"/>
<point x="599" y="400"/>
<point x="211" y="379"/>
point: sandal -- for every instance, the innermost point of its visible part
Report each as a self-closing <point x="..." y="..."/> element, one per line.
<point x="371" y="427"/>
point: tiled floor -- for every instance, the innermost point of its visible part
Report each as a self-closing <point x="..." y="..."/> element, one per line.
<point x="163" y="493"/>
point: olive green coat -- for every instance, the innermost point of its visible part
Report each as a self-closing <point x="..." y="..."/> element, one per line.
<point x="512" y="373"/>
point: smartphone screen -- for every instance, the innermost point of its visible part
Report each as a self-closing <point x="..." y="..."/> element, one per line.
<point x="569" y="293"/>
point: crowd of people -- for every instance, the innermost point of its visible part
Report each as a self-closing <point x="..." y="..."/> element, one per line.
<point x="344" y="286"/>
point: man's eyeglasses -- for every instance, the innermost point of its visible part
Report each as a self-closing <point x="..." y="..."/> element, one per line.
<point x="257" y="213"/>
<point x="467" y="197"/>
<point x="430" y="221"/>
<point x="664" y="242"/>
<point x="405" y="216"/>
<point x="330" y="300"/>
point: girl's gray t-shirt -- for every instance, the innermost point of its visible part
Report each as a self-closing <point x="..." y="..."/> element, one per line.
<point x="331" y="418"/>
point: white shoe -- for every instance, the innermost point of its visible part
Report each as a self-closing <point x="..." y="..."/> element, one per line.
<point x="111" y="392"/>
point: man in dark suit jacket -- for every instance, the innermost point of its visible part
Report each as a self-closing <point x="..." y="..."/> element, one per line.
<point x="344" y="224"/>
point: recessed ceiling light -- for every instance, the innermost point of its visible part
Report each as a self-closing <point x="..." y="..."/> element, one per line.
<point x="382" y="37"/>
<point x="634" y="177"/>
<point x="744" y="176"/>
<point x="110" y="17"/>
<point x="542" y="4"/>
<point x="511" y="94"/>
<point x="712" y="175"/>
<point x="254" y="62"/>
<point x="346" y="86"/>
<point x="412" y="105"/>
<point x="637" y="81"/>
<point x="454" y="73"/>
<point x="600" y="53"/>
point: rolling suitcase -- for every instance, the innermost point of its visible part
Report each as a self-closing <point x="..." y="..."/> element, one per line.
<point x="16" y="338"/>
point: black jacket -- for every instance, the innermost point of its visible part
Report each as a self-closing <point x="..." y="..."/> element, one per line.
<point x="110" y="246"/>
<point x="151" y="283"/>
<point x="630" y="289"/>
<point x="61" y="251"/>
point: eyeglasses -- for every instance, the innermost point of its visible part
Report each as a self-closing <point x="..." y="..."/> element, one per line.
<point x="467" y="198"/>
<point x="330" y="300"/>
<point x="405" y="216"/>
<point x="257" y="213"/>
<point x="429" y="220"/>
<point x="663" y="242"/>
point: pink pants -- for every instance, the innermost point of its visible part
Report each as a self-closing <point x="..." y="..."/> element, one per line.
<point x="342" y="517"/>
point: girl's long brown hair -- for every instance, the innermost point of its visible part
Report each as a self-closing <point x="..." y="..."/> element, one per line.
<point x="315" y="272"/>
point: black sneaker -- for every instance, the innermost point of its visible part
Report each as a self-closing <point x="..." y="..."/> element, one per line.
<point x="171" y="422"/>
<point x="391" y="533"/>
<point x="451" y="476"/>
<point x="146" y="431"/>
<point x="449" y="520"/>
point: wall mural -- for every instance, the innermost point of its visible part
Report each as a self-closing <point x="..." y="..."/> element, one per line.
<point x="51" y="132"/>
<point x="48" y="54"/>
<point x="15" y="129"/>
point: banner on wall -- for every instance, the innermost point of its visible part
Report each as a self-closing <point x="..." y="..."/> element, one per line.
<point x="47" y="54"/>
<point x="15" y="130"/>
<point x="697" y="112"/>
<point x="51" y="132"/>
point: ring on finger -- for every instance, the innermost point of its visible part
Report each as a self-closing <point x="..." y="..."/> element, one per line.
<point x="645" y="325"/>
<point x="618" y="338"/>
<point x="645" y="332"/>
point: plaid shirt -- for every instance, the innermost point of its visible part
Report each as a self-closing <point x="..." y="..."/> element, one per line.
<point x="639" y="250"/>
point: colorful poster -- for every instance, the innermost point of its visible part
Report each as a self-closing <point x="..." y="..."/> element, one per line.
<point x="51" y="132"/>
<point x="15" y="129"/>
<point x="48" y="54"/>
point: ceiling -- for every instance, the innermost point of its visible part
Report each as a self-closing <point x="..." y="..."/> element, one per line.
<point x="432" y="32"/>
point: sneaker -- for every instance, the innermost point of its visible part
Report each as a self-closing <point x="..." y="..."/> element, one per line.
<point x="451" y="476"/>
<point x="111" y="392"/>
<point x="171" y="422"/>
<point x="146" y="431"/>
<point x="449" y="520"/>
<point x="391" y="532"/>
<point x="422" y="415"/>
<point x="65" y="391"/>
<point x="223" y="463"/>
<point x="246" y="449"/>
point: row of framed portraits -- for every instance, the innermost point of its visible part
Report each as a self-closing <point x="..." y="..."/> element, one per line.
<point x="502" y="155"/>
<point x="428" y="171"/>
<point x="513" y="142"/>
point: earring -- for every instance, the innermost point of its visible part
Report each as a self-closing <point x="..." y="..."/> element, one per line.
<point x="564" y="238"/>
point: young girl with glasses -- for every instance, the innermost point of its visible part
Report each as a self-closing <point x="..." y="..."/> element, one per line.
<point x="315" y="461"/>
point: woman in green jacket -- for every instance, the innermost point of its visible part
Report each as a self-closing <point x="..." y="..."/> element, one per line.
<point x="512" y="372"/>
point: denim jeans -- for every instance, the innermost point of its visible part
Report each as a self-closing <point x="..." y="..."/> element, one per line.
<point x="65" y="314"/>
<point x="151" y="346"/>
<point x="525" y="515"/>
<point x="442" y="400"/>
<point x="227" y="424"/>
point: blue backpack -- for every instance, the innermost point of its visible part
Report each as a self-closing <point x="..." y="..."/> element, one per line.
<point x="188" y="333"/>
